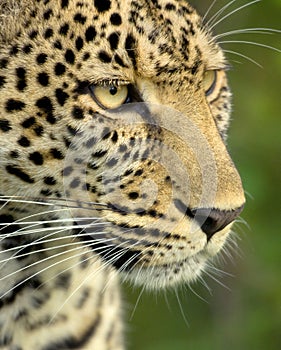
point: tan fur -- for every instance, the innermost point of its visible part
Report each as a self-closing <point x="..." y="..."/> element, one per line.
<point x="89" y="194"/>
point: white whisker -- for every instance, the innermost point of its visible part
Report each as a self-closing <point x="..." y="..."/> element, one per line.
<point x="215" y="279"/>
<point x="19" y="248"/>
<point x="208" y="10"/>
<point x="233" y="12"/>
<point x="267" y="31"/>
<point x="218" y="13"/>
<point x="181" y="308"/>
<point x="244" y="56"/>
<point x="248" y="43"/>
<point x="93" y="273"/>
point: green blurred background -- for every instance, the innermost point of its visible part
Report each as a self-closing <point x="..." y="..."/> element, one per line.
<point x="246" y="314"/>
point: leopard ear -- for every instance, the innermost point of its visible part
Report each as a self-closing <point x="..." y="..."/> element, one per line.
<point x="12" y="13"/>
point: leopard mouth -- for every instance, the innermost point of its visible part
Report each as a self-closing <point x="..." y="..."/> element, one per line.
<point x="135" y="266"/>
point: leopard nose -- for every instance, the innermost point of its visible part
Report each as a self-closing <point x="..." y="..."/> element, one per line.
<point x="214" y="220"/>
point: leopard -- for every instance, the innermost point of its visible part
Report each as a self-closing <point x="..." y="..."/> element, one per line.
<point x="114" y="163"/>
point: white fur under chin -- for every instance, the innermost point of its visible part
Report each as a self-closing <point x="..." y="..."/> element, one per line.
<point x="187" y="270"/>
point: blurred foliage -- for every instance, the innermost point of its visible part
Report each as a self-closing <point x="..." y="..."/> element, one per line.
<point x="247" y="314"/>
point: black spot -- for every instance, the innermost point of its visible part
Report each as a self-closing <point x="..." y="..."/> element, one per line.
<point x="58" y="45"/>
<point x="64" y="3"/>
<point x="75" y="183"/>
<point x="170" y="7"/>
<point x="64" y="29"/>
<point x="67" y="171"/>
<point x="43" y="79"/>
<point x="115" y="19"/>
<point x="77" y="113"/>
<point x="46" y="192"/>
<point x="3" y="63"/>
<point x="99" y="154"/>
<point x="14" y="154"/>
<point x="122" y="148"/>
<point x="36" y="158"/>
<point x="102" y="5"/>
<point x="14" y="50"/>
<point x="61" y="96"/>
<point x="106" y="133"/>
<point x="27" y="123"/>
<point x="21" y="74"/>
<point x="113" y="40"/>
<point x="152" y="213"/>
<point x="67" y="142"/>
<point x="71" y="130"/>
<point x="57" y="154"/>
<point x="90" y="33"/>
<point x="48" y="33"/>
<point x="5" y="340"/>
<point x="86" y="56"/>
<point x="133" y="195"/>
<point x="5" y="125"/>
<point x="111" y="162"/>
<point x="14" y="105"/>
<point x="41" y="58"/>
<point x="13" y="170"/>
<point x="104" y="57"/>
<point x="168" y="179"/>
<point x="119" y="60"/>
<point x="69" y="342"/>
<point x="114" y="137"/>
<point x="47" y="14"/>
<point x="80" y="18"/>
<point x="23" y="141"/>
<point x="49" y="180"/>
<point x="46" y="105"/>
<point x="2" y="81"/>
<point x="79" y="43"/>
<point x="27" y="48"/>
<point x="69" y="56"/>
<point x="33" y="34"/>
<point x="139" y="172"/>
<point x="60" y="69"/>
<point x="91" y="142"/>
<point x="128" y="172"/>
<point x="39" y="130"/>
<point x="130" y="45"/>
<point x="63" y="280"/>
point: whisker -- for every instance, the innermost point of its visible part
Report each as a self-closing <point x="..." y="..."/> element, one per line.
<point x="208" y="10"/>
<point x="248" y="43"/>
<point x="244" y="56"/>
<point x="137" y="303"/>
<point x="181" y="308"/>
<point x="215" y="279"/>
<point x="198" y="295"/>
<point x="44" y="249"/>
<point x="218" y="13"/>
<point x="46" y="268"/>
<point x="93" y="273"/>
<point x="233" y="12"/>
<point x="79" y="262"/>
<point x="267" y="31"/>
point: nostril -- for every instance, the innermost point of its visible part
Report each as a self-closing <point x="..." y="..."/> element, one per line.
<point x="214" y="220"/>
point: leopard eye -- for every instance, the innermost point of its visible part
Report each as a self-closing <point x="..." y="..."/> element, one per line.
<point x="110" y="96"/>
<point x="209" y="81"/>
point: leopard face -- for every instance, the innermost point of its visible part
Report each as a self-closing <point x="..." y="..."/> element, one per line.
<point x="113" y="120"/>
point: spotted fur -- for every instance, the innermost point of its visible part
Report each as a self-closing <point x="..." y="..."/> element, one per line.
<point x="145" y="191"/>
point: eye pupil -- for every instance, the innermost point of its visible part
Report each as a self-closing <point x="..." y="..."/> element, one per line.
<point x="113" y="90"/>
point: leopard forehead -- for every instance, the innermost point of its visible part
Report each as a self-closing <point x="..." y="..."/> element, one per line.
<point x="155" y="37"/>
